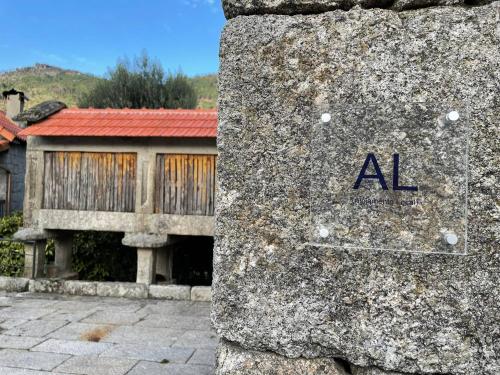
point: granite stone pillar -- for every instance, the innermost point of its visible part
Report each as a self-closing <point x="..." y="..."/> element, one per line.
<point x="146" y="265"/>
<point x="35" y="242"/>
<point x="63" y="243"/>
<point x="307" y="265"/>
<point x="34" y="259"/>
<point x="147" y="247"/>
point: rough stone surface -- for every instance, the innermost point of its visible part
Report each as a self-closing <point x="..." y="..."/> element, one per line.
<point x="128" y="290"/>
<point x="105" y="289"/>
<point x="46" y="286"/>
<point x="233" y="8"/>
<point x="356" y="370"/>
<point x="13" y="284"/>
<point x="179" y="292"/>
<point x="273" y="291"/>
<point x="30" y="234"/>
<point x="201" y="293"/>
<point x="80" y="288"/>
<point x="144" y="240"/>
<point x="232" y="360"/>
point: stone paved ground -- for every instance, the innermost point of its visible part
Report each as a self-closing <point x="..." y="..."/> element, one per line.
<point x="44" y="334"/>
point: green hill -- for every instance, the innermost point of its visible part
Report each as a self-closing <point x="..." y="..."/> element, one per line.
<point x="45" y="82"/>
<point x="206" y="89"/>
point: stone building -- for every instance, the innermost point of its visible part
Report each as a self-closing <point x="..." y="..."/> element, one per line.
<point x="12" y="154"/>
<point x="357" y="225"/>
<point x="149" y="174"/>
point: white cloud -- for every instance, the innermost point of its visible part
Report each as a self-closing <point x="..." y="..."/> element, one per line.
<point x="197" y="3"/>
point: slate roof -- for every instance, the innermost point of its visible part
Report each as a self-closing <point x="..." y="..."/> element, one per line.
<point x="40" y="111"/>
<point x="128" y="123"/>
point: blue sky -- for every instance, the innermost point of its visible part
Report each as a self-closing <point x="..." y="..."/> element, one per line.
<point x="90" y="35"/>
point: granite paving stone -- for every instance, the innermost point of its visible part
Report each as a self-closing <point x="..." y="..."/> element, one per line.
<point x="167" y="307"/>
<point x="70" y="316"/>
<point x="77" y="305"/>
<point x="72" y="347"/>
<point x="198" y="339"/>
<point x="31" y="360"/>
<point x="203" y="357"/>
<point x="115" y="317"/>
<point x="24" y="312"/>
<point x="94" y="365"/>
<point x="153" y="368"/>
<point x="21" y="371"/>
<point x="176" y="321"/>
<point x="198" y="309"/>
<point x="135" y="334"/>
<point x="75" y="330"/>
<point x="19" y="342"/>
<point x="25" y="301"/>
<point x="147" y="337"/>
<point x="11" y="323"/>
<point x="150" y="352"/>
<point x="36" y="328"/>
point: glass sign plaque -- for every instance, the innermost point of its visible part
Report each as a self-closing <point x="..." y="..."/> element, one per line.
<point x="390" y="177"/>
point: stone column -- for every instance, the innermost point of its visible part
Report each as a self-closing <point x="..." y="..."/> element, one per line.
<point x="63" y="243"/>
<point x="393" y="293"/>
<point x="35" y="242"/>
<point x="34" y="259"/>
<point x="146" y="265"/>
<point x="147" y="246"/>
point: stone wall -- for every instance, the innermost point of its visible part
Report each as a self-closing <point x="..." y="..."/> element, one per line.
<point x="14" y="160"/>
<point x="381" y="312"/>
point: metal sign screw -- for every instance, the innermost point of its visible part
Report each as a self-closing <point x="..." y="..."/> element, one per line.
<point x="323" y="232"/>
<point x="326" y="117"/>
<point x="450" y="238"/>
<point x="453" y="116"/>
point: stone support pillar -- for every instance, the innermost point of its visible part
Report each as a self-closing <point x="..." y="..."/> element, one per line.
<point x="63" y="243"/>
<point x="146" y="265"/>
<point x="35" y="242"/>
<point x="147" y="246"/>
<point x="34" y="259"/>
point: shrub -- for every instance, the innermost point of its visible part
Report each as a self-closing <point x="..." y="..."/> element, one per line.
<point x="100" y="256"/>
<point x="11" y="252"/>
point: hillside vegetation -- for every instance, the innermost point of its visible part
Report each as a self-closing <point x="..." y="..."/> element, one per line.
<point x="44" y="82"/>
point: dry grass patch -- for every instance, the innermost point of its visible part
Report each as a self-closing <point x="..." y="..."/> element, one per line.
<point x="96" y="334"/>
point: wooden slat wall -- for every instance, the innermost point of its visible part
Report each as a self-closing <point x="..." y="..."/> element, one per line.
<point x="185" y="184"/>
<point x="90" y="181"/>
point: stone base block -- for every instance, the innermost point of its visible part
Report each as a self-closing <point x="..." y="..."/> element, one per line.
<point x="234" y="360"/>
<point x="14" y="284"/>
<point x="80" y="288"/>
<point x="201" y="293"/>
<point x="127" y="290"/>
<point x="178" y="292"/>
<point x="46" y="286"/>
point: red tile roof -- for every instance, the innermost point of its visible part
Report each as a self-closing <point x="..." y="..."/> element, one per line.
<point x="192" y="123"/>
<point x="10" y="129"/>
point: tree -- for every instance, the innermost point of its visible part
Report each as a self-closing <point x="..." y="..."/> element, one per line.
<point x="141" y="84"/>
